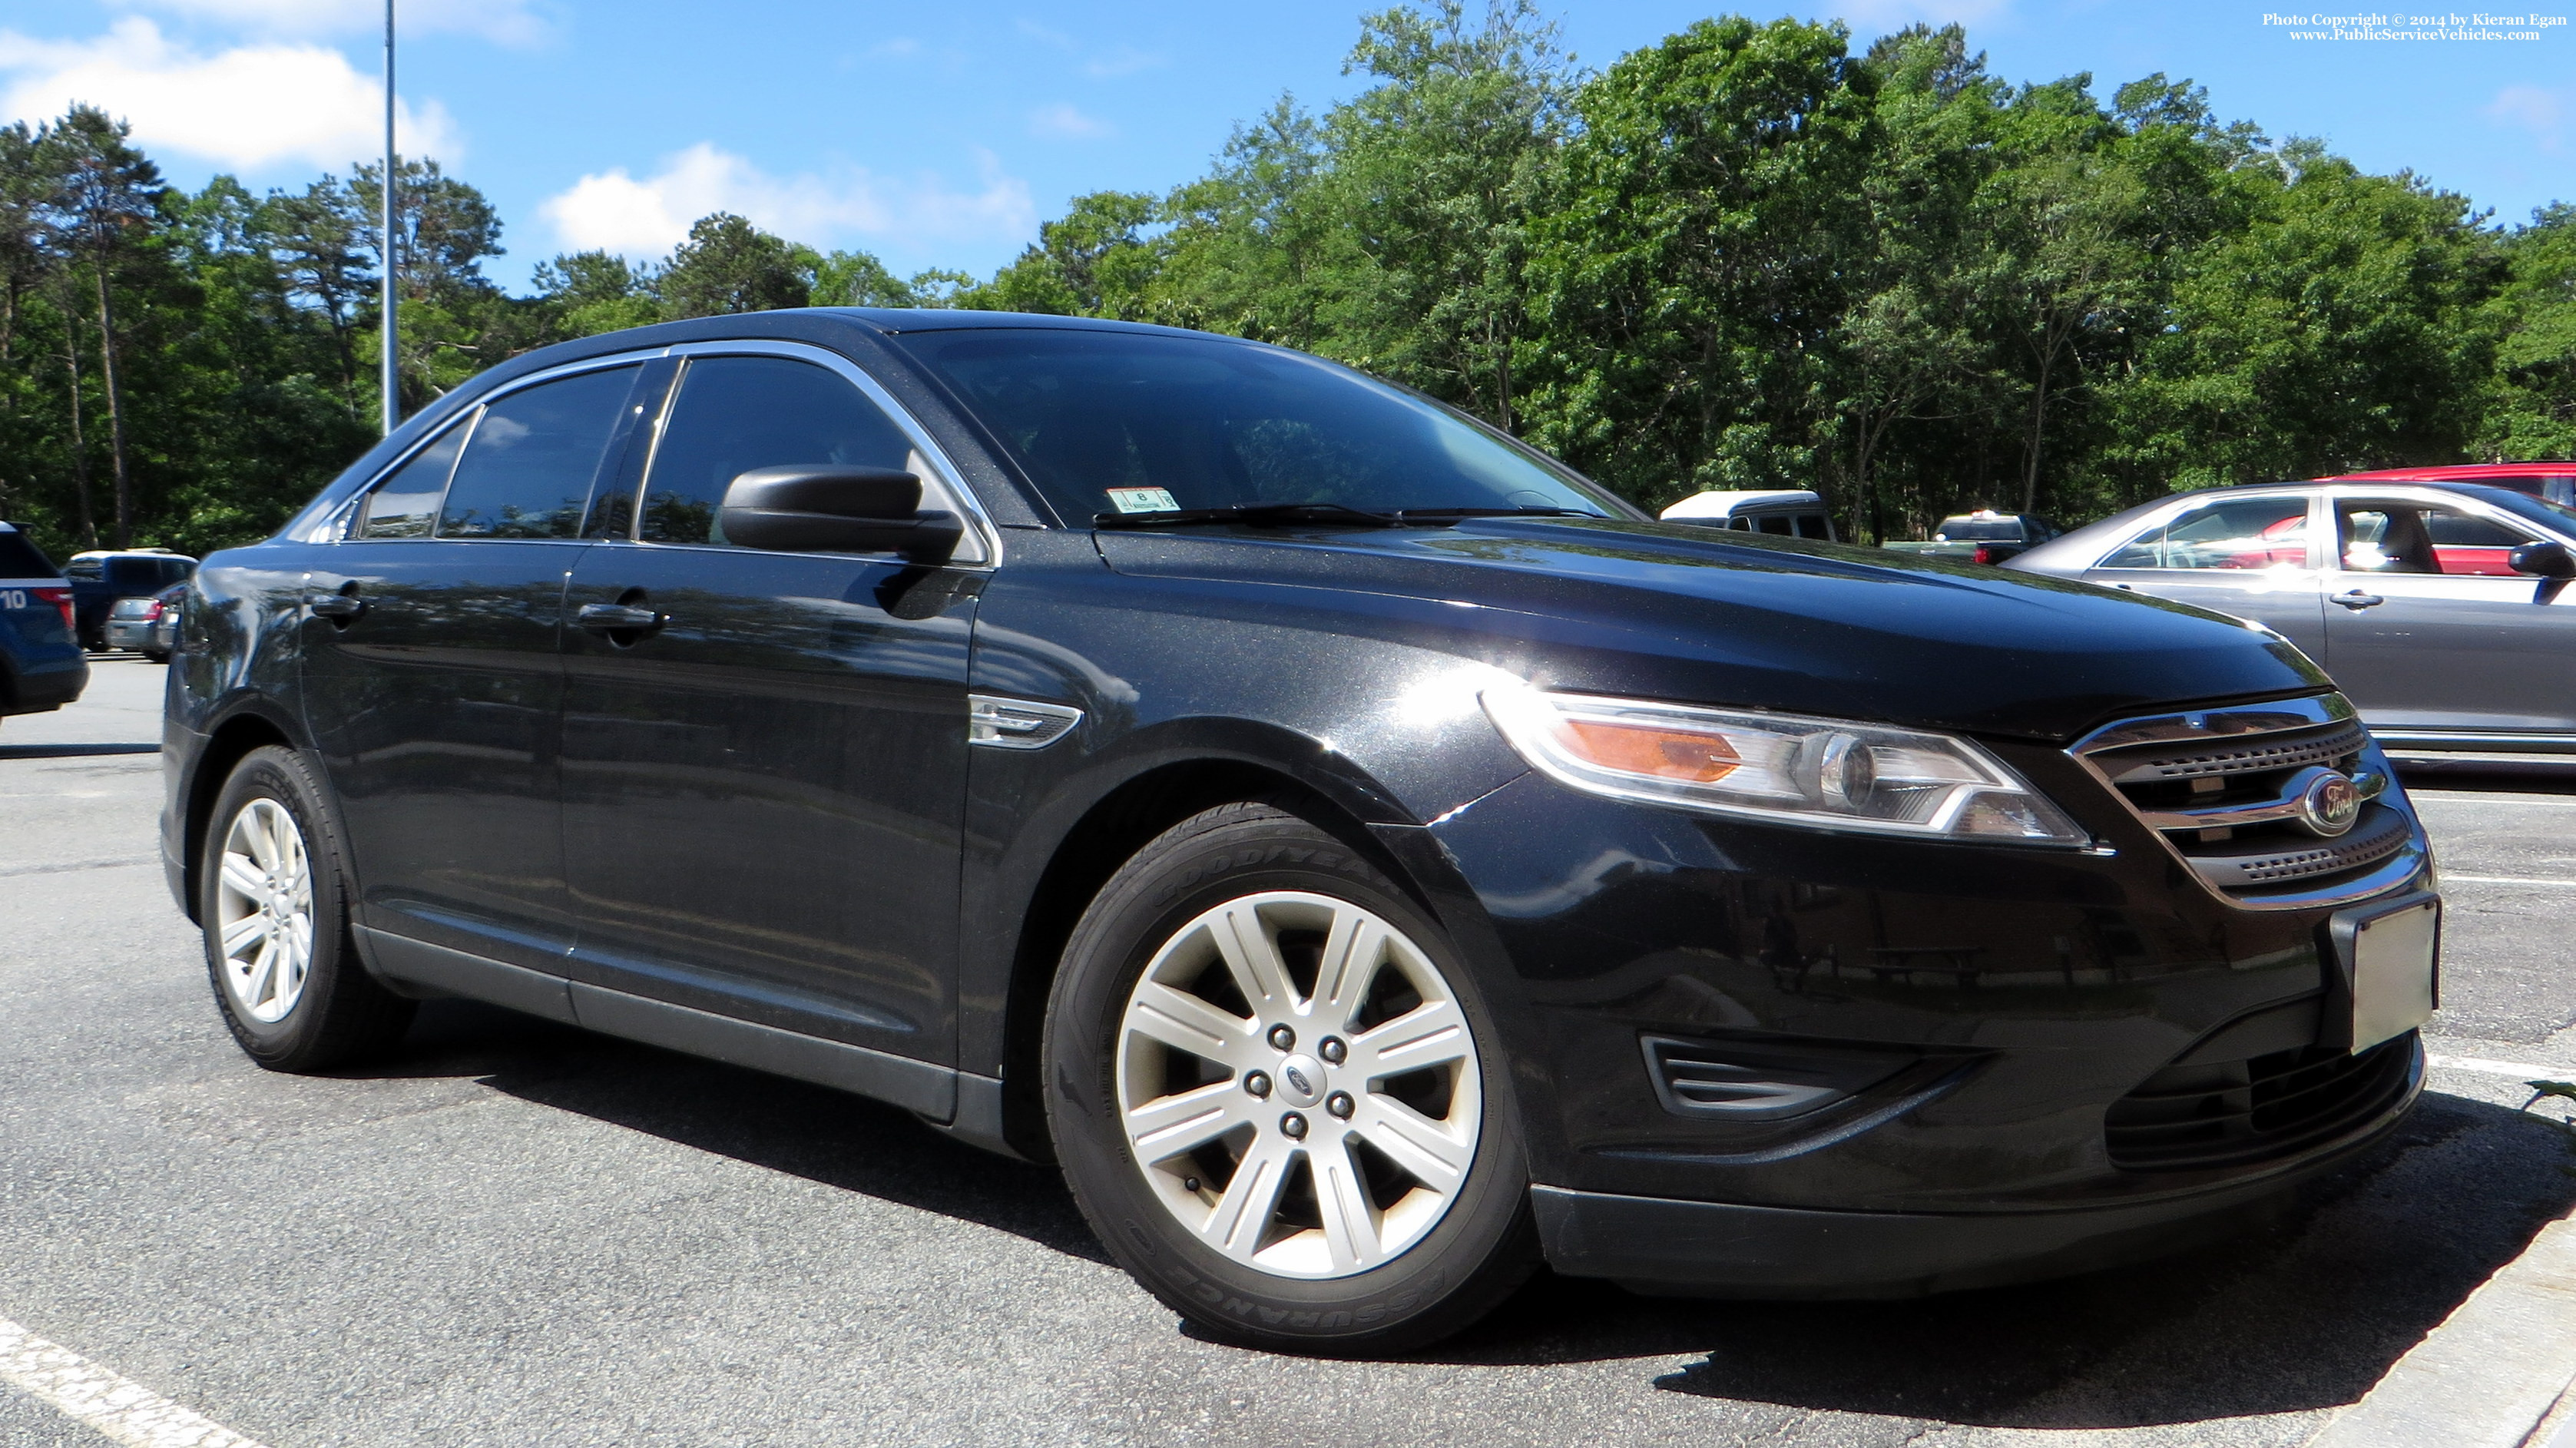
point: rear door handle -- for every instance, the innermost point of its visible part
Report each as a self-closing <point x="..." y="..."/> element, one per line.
<point x="2358" y="600"/>
<point x="619" y="618"/>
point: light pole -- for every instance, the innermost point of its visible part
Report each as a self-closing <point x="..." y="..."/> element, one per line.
<point x="393" y="373"/>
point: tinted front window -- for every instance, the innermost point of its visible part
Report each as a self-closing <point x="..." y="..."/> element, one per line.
<point x="735" y="414"/>
<point x="2238" y="533"/>
<point x="1114" y="422"/>
<point x="527" y="467"/>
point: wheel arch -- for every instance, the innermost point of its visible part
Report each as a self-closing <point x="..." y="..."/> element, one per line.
<point x="251" y="726"/>
<point x="1108" y="833"/>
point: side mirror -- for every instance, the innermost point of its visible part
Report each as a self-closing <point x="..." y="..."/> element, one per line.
<point x="2546" y="560"/>
<point x="826" y="508"/>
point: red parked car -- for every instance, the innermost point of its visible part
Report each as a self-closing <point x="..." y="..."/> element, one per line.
<point x="2554" y="481"/>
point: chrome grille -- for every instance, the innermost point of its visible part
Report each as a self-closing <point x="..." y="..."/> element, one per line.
<point x="2223" y="788"/>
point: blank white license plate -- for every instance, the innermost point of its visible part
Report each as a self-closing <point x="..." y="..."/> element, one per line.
<point x="2393" y="958"/>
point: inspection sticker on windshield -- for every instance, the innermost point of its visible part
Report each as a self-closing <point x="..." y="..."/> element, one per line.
<point x="1144" y="500"/>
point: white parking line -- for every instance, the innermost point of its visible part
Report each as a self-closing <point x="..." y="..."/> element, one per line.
<point x="118" y="1407"/>
<point x="2448" y="877"/>
<point x="2485" y="1067"/>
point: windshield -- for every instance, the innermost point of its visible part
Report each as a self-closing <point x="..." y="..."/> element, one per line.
<point x="1124" y="422"/>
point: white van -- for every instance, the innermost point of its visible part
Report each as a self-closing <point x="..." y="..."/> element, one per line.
<point x="1787" y="513"/>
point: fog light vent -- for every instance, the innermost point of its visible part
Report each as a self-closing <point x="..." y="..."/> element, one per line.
<point x="1765" y="1081"/>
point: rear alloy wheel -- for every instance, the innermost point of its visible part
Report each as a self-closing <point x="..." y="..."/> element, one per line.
<point x="1273" y="1095"/>
<point x="273" y="906"/>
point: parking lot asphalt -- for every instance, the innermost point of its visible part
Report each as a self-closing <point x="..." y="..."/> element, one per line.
<point x="519" y="1234"/>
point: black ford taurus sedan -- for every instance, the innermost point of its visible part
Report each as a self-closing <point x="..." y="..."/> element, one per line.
<point x="1368" y="857"/>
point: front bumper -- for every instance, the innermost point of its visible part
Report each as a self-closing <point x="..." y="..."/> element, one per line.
<point x="1667" y="1247"/>
<point x="2011" y="1029"/>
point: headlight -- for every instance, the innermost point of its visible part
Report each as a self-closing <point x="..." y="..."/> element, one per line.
<point x="1827" y="773"/>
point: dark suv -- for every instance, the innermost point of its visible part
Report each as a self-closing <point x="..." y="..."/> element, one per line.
<point x="41" y="667"/>
<point x="1370" y="858"/>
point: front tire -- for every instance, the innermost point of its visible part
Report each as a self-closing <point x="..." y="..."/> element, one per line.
<point x="1278" y="1098"/>
<point x="274" y="908"/>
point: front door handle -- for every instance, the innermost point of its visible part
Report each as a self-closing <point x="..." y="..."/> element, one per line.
<point x="609" y="618"/>
<point x="341" y="608"/>
<point x="2358" y="600"/>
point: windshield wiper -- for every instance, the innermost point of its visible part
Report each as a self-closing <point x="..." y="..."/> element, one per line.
<point x="1259" y="513"/>
<point x="1251" y="513"/>
<point x="1409" y="514"/>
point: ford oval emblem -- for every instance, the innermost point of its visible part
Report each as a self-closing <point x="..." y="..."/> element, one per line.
<point x="2330" y="803"/>
<point x="1297" y="1081"/>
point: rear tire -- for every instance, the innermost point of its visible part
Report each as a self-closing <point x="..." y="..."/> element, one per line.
<point x="273" y="900"/>
<point x="1278" y="1098"/>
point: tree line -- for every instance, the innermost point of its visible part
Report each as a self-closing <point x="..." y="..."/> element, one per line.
<point x="1744" y="257"/>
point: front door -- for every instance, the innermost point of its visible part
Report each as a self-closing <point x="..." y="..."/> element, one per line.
<point x="764" y="780"/>
<point x="2247" y="556"/>
<point x="2429" y="628"/>
<point x="433" y="677"/>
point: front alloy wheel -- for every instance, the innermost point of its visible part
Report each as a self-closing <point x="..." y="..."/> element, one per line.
<point x="1277" y="1096"/>
<point x="264" y="911"/>
<point x="1299" y="1085"/>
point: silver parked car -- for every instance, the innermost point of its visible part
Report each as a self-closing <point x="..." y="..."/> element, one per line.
<point x="2444" y="611"/>
<point x="149" y="626"/>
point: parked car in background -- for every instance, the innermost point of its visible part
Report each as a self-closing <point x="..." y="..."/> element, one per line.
<point x="2555" y="481"/>
<point x="1984" y="536"/>
<point x="100" y="577"/>
<point x="1782" y="513"/>
<point x="2443" y="611"/>
<point x="147" y="625"/>
<point x="1365" y="856"/>
<point x="41" y="666"/>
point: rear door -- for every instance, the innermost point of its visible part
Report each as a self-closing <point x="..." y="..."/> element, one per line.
<point x="2429" y="628"/>
<point x="2251" y="556"/>
<point x="764" y="788"/>
<point x="433" y="685"/>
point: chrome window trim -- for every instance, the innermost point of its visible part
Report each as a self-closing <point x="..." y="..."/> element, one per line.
<point x="335" y="529"/>
<point x="2164" y="518"/>
<point x="949" y="482"/>
<point x="985" y="537"/>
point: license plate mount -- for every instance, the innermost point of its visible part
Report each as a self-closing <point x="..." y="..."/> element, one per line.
<point x="2388" y="969"/>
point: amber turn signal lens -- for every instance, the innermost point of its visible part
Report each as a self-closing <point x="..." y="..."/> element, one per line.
<point x="1663" y="753"/>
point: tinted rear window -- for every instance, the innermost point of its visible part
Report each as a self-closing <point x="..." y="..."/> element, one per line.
<point x="1980" y="530"/>
<point x="20" y="559"/>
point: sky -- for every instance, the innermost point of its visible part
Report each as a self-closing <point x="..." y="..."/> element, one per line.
<point x="943" y="134"/>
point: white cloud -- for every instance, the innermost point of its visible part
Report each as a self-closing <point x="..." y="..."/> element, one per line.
<point x="1068" y="123"/>
<point x="902" y="47"/>
<point x="1125" y="60"/>
<point x="613" y="211"/>
<point x="2541" y="112"/>
<point x="251" y="106"/>
<point x="507" y="22"/>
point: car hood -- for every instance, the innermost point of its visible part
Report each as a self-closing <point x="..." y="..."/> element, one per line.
<point x="1670" y="611"/>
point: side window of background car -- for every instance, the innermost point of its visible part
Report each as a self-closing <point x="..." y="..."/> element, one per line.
<point x="2400" y="537"/>
<point x="405" y="504"/>
<point x="527" y="466"/>
<point x="2236" y="533"/>
<point x="734" y="414"/>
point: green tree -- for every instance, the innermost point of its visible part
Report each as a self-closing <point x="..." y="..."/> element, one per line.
<point x="728" y="265"/>
<point x="106" y="197"/>
<point x="2531" y="405"/>
<point x="1692" y="276"/>
<point x="596" y="291"/>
